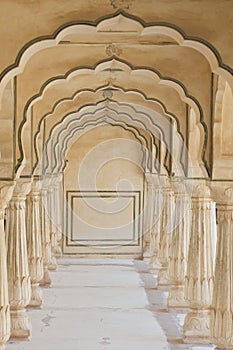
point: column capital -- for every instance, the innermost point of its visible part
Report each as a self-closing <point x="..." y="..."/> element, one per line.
<point x="178" y="186"/>
<point x="165" y="182"/>
<point x="22" y="187"/>
<point x="46" y="182"/>
<point x="6" y="191"/>
<point x="57" y="178"/>
<point x="36" y="186"/>
<point x="153" y="180"/>
<point x="200" y="189"/>
<point x="222" y="193"/>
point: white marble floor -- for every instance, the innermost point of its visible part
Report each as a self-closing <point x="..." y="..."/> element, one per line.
<point x="109" y="304"/>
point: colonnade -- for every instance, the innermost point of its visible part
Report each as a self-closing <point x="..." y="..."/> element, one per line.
<point x="181" y="229"/>
<point x="30" y="231"/>
<point x="191" y="253"/>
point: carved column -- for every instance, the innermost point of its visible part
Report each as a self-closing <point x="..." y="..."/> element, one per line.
<point x="56" y="216"/>
<point x="179" y="247"/>
<point x="222" y="304"/>
<point x="46" y="243"/>
<point x="166" y="233"/>
<point x="200" y="275"/>
<point x="34" y="237"/>
<point x="19" y="281"/>
<point x="48" y="199"/>
<point x="148" y="216"/>
<point x="157" y="206"/>
<point x="6" y="190"/>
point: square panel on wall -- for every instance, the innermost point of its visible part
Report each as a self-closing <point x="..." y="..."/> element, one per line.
<point x="103" y="222"/>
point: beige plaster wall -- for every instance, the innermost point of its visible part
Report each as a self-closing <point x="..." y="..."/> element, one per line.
<point x="106" y="159"/>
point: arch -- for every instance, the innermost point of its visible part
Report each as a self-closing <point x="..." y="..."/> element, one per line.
<point x="137" y="73"/>
<point x="145" y="121"/>
<point x="127" y="23"/>
<point x="65" y="143"/>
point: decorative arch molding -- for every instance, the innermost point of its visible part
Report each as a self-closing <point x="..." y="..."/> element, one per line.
<point x="67" y="142"/>
<point x="67" y="132"/>
<point x="116" y="94"/>
<point x="114" y="64"/>
<point x="145" y="118"/>
<point x="62" y="131"/>
<point x="120" y="94"/>
<point x="118" y="21"/>
<point x="124" y="68"/>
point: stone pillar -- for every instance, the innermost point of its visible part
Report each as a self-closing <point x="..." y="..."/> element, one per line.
<point x="19" y="281"/>
<point x="200" y="273"/>
<point x="157" y="206"/>
<point x="56" y="216"/>
<point x="46" y="243"/>
<point x="34" y="240"/>
<point x="222" y="304"/>
<point x="148" y="216"/>
<point x="52" y="230"/>
<point x="166" y="233"/>
<point x="6" y="189"/>
<point x="179" y="247"/>
<point x="48" y="204"/>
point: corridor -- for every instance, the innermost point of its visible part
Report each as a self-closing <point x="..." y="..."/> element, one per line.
<point x="107" y="304"/>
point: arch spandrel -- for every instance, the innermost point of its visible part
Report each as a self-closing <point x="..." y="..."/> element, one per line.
<point x="207" y="50"/>
<point x="223" y="132"/>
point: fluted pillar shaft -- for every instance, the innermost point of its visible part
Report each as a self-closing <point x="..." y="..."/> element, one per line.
<point x="5" y="194"/>
<point x="47" y="202"/>
<point x="56" y="217"/>
<point x="155" y="224"/>
<point x="52" y="230"/>
<point x="19" y="281"/>
<point x="179" y="247"/>
<point x="148" y="216"/>
<point x="222" y="304"/>
<point x="166" y="234"/>
<point x="34" y="240"/>
<point x="46" y="243"/>
<point x="200" y="273"/>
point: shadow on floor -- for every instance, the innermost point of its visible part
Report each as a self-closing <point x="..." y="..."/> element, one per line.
<point x="167" y="318"/>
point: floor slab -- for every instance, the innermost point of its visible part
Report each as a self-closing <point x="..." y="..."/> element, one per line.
<point x="106" y="304"/>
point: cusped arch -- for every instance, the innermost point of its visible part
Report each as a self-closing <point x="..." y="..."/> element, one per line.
<point x="71" y="138"/>
<point x="114" y="22"/>
<point x="137" y="74"/>
<point x="144" y="120"/>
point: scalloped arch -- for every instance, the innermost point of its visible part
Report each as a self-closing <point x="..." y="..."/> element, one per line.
<point x="135" y="74"/>
<point x="113" y="22"/>
<point x="68" y="141"/>
<point x="144" y="120"/>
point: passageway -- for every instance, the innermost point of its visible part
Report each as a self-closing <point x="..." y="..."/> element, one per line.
<point x="107" y="304"/>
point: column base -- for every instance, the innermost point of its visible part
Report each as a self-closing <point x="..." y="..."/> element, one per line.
<point x="163" y="278"/>
<point x="196" y="327"/>
<point x="46" y="280"/>
<point x="146" y="255"/>
<point x="222" y="344"/>
<point x="20" y="325"/>
<point x="154" y="264"/>
<point x="176" y="297"/>
<point x="5" y="324"/>
<point x="36" y="296"/>
<point x="53" y="264"/>
<point x="57" y="251"/>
